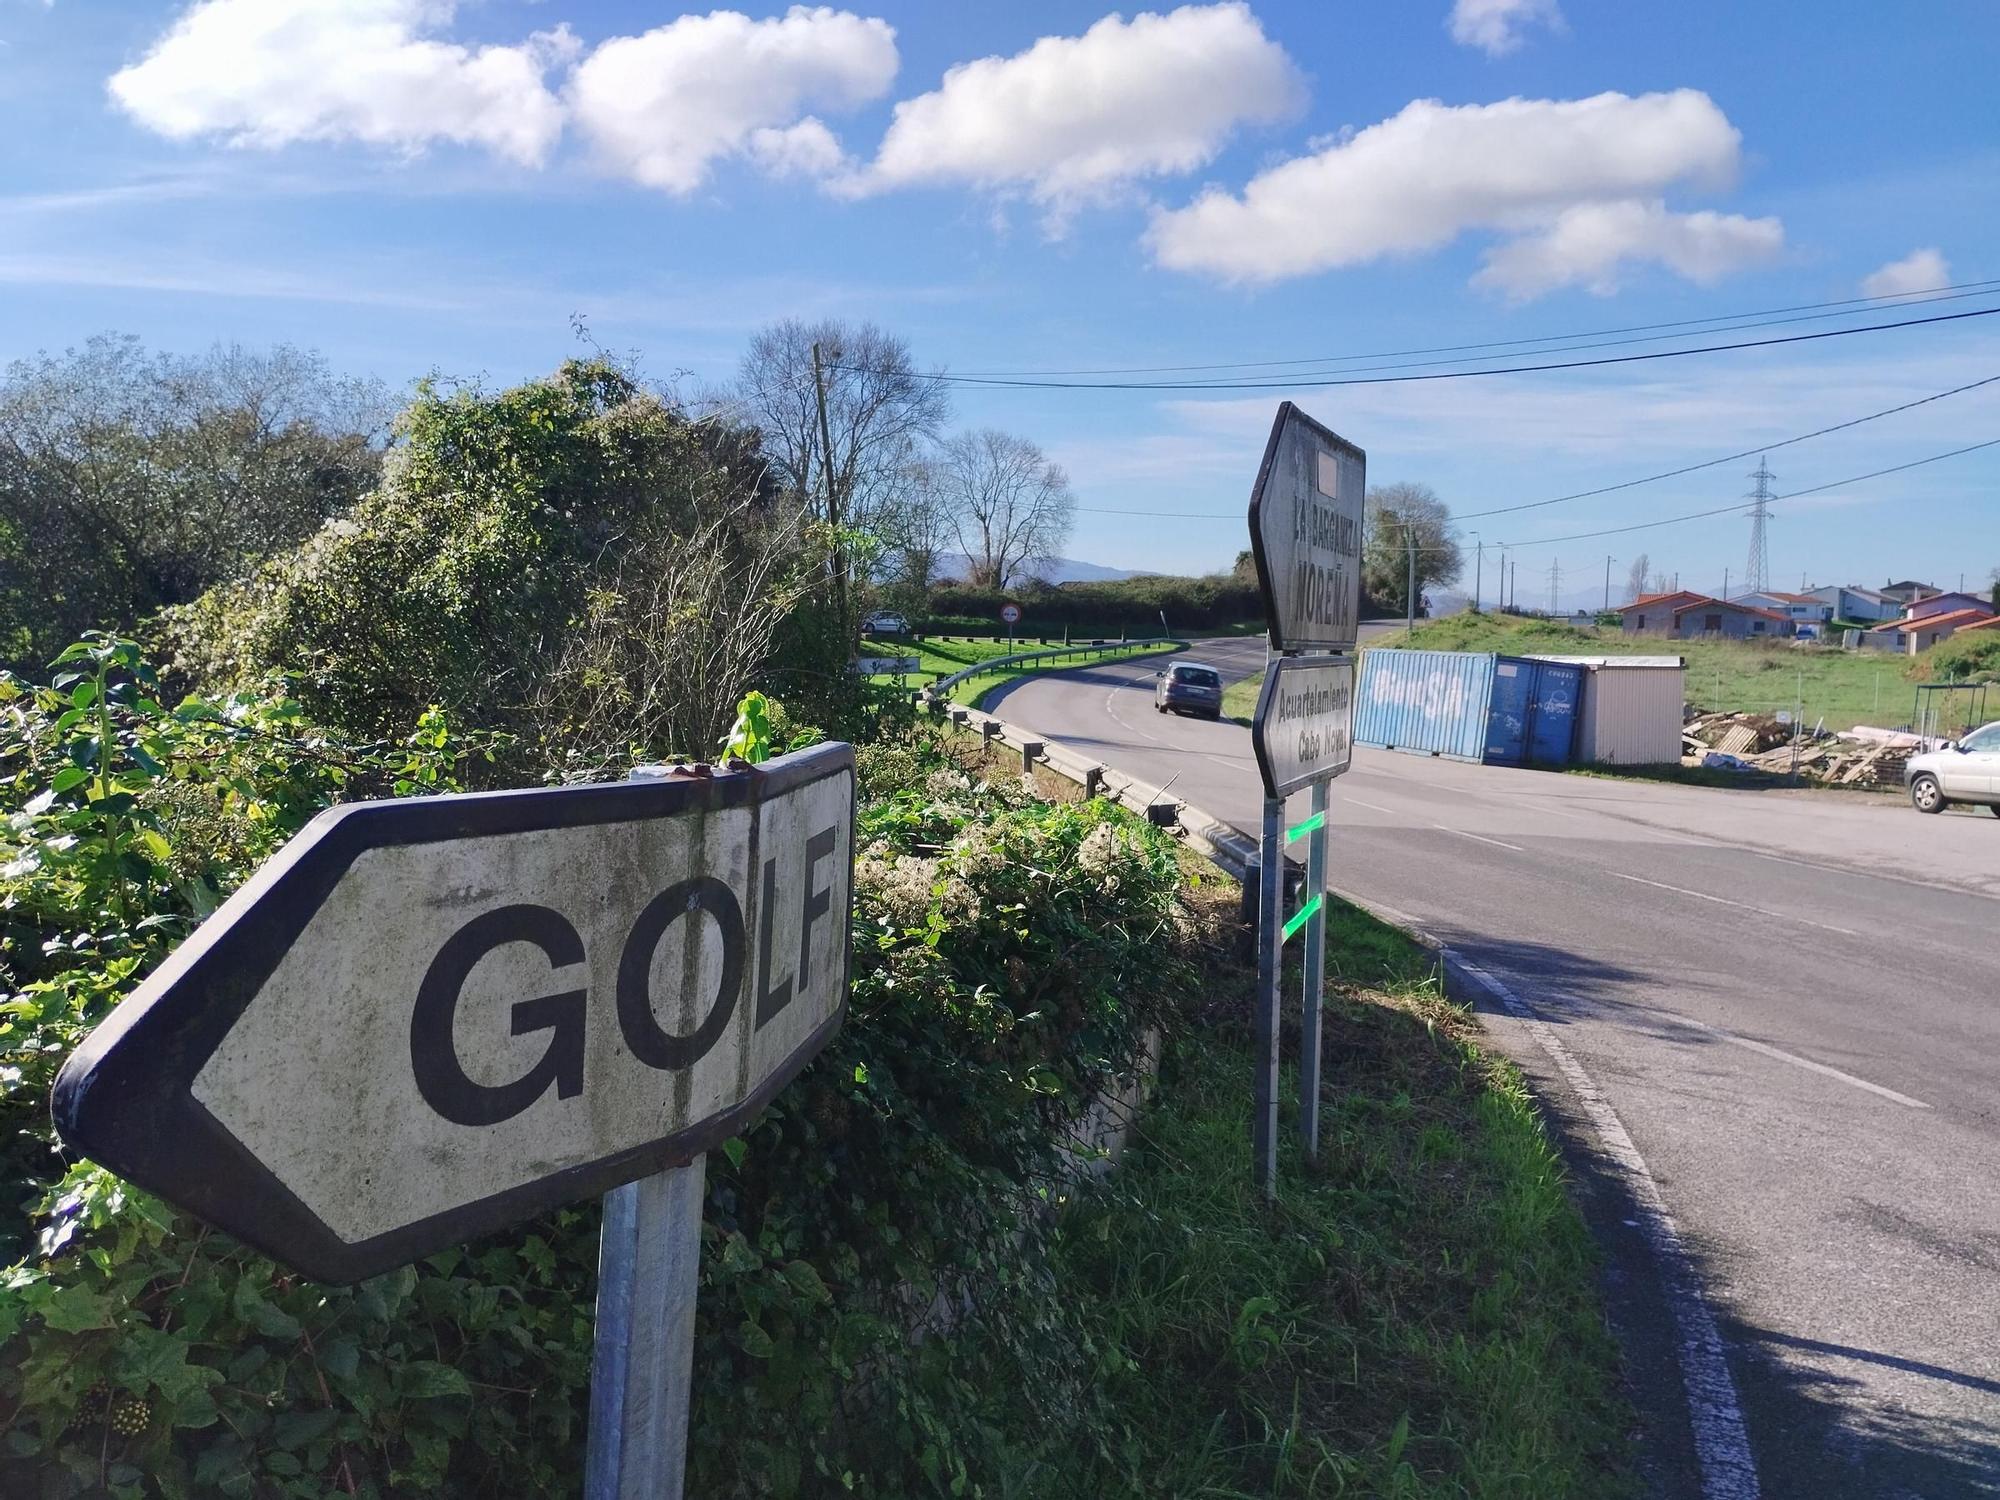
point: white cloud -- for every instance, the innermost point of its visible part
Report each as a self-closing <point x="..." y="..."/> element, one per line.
<point x="272" y="72"/>
<point x="1432" y="172"/>
<point x="1495" y="26"/>
<point x="1075" y="118"/>
<point x="1590" y="244"/>
<point x="665" y="106"/>
<point x="1920" y="271"/>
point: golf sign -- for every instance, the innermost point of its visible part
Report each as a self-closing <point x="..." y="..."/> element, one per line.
<point x="429" y="1018"/>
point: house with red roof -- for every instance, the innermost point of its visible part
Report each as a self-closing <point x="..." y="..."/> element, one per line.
<point x="1685" y="615"/>
<point x="1921" y="632"/>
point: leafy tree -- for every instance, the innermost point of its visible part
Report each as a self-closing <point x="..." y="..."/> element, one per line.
<point x="1010" y="508"/>
<point x="129" y="481"/>
<point x="500" y="571"/>
<point x="1396" y="512"/>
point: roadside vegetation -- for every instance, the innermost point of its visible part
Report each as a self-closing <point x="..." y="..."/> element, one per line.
<point x="908" y="1286"/>
<point x="1416" y="1314"/>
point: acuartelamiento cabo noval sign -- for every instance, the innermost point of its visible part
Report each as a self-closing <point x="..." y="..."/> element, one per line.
<point x="1305" y="533"/>
<point x="427" y="1019"/>
<point x="1304" y="727"/>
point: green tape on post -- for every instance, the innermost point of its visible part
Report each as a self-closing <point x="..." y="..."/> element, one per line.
<point x="1304" y="916"/>
<point x="1317" y="820"/>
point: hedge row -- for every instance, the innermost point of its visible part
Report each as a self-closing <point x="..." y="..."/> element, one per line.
<point x="877" y="1311"/>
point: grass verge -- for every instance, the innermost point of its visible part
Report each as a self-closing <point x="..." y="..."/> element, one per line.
<point x="973" y="691"/>
<point x="1415" y="1316"/>
<point x="1842" y="687"/>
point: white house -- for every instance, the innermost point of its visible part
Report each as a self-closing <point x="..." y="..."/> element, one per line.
<point x="1800" y="609"/>
<point x="1851" y="602"/>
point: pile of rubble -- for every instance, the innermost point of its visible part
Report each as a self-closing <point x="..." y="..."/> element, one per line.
<point x="1862" y="756"/>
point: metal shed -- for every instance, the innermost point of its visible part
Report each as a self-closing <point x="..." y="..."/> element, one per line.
<point x="1469" y="705"/>
<point x="1632" y="709"/>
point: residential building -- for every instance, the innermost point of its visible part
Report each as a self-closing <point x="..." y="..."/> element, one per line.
<point x="1800" y="609"/>
<point x="1863" y="606"/>
<point x="1944" y="604"/>
<point x="1921" y="632"/>
<point x="1653" y="614"/>
<point x="1691" y="616"/>
<point x="1909" y="591"/>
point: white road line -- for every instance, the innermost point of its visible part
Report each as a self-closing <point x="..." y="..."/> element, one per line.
<point x="1371" y="806"/>
<point x="1782" y="916"/>
<point x="1119" y="719"/>
<point x="1496" y="843"/>
<point x="1722" y="1447"/>
<point x="1800" y="1062"/>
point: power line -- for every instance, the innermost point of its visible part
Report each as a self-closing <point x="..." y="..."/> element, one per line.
<point x="1511" y="349"/>
<point x="1899" y="299"/>
<point x="1730" y="458"/>
<point x="1625" y="484"/>
<point x="1725" y="510"/>
<point x="1574" y="364"/>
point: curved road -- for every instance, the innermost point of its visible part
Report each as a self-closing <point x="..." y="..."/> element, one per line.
<point x="1789" y="1002"/>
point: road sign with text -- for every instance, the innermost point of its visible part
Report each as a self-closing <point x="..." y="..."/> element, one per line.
<point x="1305" y="533"/>
<point x="1304" y="728"/>
<point x="427" y="1019"/>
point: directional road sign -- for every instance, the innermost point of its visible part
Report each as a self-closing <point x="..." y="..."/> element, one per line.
<point x="427" y="1019"/>
<point x="1304" y="727"/>
<point x="1305" y="532"/>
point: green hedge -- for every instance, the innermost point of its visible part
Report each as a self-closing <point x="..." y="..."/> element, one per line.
<point x="877" y="1312"/>
<point x="1129" y="605"/>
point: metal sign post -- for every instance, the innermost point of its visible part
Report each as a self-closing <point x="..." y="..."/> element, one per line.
<point x="642" y="1357"/>
<point x="1305" y="534"/>
<point x="428" y="1019"/>
<point x="1270" y="965"/>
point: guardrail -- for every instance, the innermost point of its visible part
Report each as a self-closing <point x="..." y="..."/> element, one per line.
<point x="1001" y="663"/>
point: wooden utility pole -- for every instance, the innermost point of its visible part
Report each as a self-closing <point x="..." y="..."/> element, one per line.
<point x="832" y="496"/>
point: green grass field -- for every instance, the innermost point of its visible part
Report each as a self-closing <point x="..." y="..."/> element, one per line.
<point x="1844" y="688"/>
<point x="943" y="656"/>
<point x="1415" y="1316"/>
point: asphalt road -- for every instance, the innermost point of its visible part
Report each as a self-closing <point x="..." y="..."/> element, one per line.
<point x="1791" y="1002"/>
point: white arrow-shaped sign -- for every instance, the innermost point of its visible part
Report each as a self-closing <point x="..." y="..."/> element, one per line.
<point x="429" y="1018"/>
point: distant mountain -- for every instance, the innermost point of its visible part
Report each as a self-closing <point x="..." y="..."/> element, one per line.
<point x="1059" y="570"/>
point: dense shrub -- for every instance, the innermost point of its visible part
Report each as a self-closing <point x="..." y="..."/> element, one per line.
<point x="877" y="1313"/>
<point x="1131" y="604"/>
<point x="1965" y="657"/>
<point x="536" y="560"/>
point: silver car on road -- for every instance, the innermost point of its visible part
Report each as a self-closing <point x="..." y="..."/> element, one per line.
<point x="1189" y="687"/>
<point x="1967" y="771"/>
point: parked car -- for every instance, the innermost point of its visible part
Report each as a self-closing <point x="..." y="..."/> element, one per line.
<point x="1966" y="771"/>
<point x="1189" y="687"/>
<point x="883" y="623"/>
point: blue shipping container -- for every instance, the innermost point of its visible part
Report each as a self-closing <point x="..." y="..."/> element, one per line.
<point x="1469" y="705"/>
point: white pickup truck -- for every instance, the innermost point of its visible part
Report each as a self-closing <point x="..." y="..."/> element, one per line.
<point x="1966" y="771"/>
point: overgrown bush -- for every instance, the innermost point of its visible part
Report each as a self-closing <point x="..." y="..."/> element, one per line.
<point x="877" y="1313"/>
<point x="536" y="560"/>
<point x="1132" y="604"/>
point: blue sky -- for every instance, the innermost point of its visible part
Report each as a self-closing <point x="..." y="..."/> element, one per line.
<point x="413" y="185"/>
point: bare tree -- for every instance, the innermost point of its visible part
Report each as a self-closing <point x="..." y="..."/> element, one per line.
<point x="852" y="469"/>
<point x="1396" y="512"/>
<point x="682" y="625"/>
<point x="1635" y="577"/>
<point x="1010" y="508"/>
